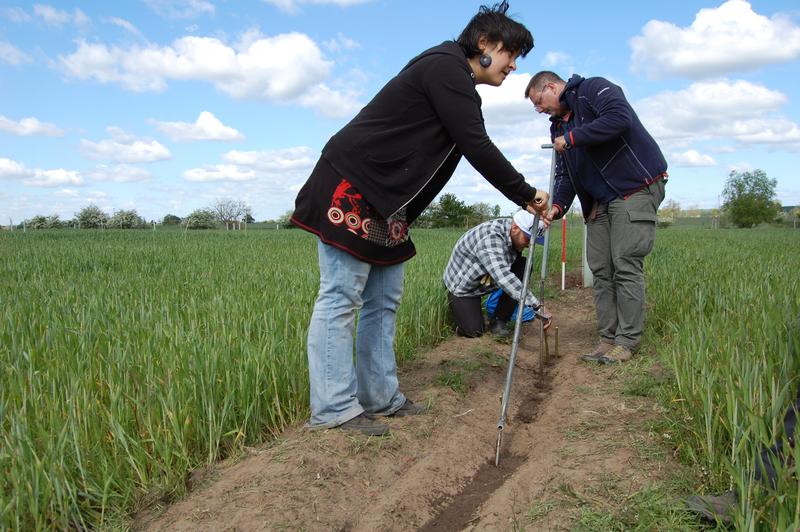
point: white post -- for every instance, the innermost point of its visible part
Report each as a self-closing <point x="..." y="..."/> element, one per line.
<point x="588" y="278"/>
<point x="563" y="253"/>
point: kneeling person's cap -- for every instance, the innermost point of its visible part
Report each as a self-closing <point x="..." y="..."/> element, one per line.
<point x="524" y="221"/>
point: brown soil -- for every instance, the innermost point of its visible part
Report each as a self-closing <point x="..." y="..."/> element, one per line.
<point x="568" y="444"/>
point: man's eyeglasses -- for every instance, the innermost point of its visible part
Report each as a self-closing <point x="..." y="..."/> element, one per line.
<point x="537" y="102"/>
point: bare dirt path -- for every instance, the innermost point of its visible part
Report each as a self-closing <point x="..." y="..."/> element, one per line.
<point x="573" y="441"/>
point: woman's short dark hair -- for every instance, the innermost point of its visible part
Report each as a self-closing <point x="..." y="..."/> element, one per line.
<point x="493" y="23"/>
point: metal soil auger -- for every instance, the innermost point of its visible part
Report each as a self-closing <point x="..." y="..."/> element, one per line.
<point x="544" y="348"/>
<point x="518" y="323"/>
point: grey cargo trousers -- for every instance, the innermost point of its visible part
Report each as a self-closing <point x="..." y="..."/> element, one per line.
<point x="620" y="234"/>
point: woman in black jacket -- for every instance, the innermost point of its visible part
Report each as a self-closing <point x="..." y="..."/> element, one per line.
<point x="374" y="178"/>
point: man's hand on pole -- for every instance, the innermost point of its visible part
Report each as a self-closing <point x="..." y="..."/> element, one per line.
<point x="547" y="219"/>
<point x="538" y="205"/>
<point x="546" y="318"/>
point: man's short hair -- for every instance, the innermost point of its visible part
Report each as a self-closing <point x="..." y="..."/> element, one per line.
<point x="539" y="79"/>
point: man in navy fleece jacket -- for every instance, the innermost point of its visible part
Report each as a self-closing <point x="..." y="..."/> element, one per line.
<point x="609" y="160"/>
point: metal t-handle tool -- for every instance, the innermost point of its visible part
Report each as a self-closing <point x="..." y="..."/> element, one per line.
<point x="520" y="304"/>
<point x="543" y="346"/>
<point x="515" y="343"/>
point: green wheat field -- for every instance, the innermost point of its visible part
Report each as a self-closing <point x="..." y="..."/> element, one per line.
<point x="127" y="358"/>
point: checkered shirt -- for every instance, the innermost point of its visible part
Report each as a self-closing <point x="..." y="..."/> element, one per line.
<point x="485" y="249"/>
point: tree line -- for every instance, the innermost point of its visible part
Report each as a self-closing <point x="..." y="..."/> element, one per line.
<point x="749" y="200"/>
<point x="228" y="212"/>
<point x="448" y="211"/>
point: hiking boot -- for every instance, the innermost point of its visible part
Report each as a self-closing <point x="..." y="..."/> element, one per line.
<point x="714" y="508"/>
<point x="365" y="424"/>
<point x="408" y="409"/>
<point x="616" y="354"/>
<point x="499" y="329"/>
<point x="597" y="353"/>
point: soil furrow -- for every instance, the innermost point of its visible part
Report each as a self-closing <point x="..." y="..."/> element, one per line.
<point x="566" y="437"/>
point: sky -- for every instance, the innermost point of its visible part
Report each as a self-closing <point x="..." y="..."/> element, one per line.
<point x="167" y="106"/>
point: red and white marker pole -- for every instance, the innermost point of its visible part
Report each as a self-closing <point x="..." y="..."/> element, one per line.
<point x="563" y="252"/>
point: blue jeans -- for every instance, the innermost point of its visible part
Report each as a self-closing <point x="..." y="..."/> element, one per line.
<point x="340" y="389"/>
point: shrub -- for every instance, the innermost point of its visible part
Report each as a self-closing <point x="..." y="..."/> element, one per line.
<point x="201" y="219"/>
<point x="126" y="220"/>
<point x="91" y="217"/>
<point x="750" y="198"/>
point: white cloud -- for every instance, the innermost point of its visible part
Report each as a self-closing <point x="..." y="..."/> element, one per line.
<point x="767" y="131"/>
<point x="471" y="187"/>
<point x="248" y="71"/>
<point x="724" y="39"/>
<point x="247" y="38"/>
<point x="340" y="43"/>
<point x="721" y="110"/>
<point x="301" y="157"/>
<point x="507" y="103"/>
<point x="56" y="17"/>
<point x="37" y="177"/>
<point x="293" y="6"/>
<point x="54" y="178"/>
<point x="126" y="25"/>
<point x="121" y="173"/>
<point x="124" y="148"/>
<point x="207" y="127"/>
<point x="51" y="15"/>
<point x="15" y="14"/>
<point x="330" y="102"/>
<point x="515" y="128"/>
<point x="690" y="158"/>
<point x="29" y="126"/>
<point x="13" y="170"/>
<point x="12" y="55"/>
<point x="552" y="59"/>
<point x="280" y="168"/>
<point x="219" y="172"/>
<point x="181" y="8"/>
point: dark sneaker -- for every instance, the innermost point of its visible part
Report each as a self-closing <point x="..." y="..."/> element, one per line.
<point x="408" y="409"/>
<point x="714" y="508"/>
<point x="597" y="353"/>
<point x="615" y="355"/>
<point x="499" y="328"/>
<point x="365" y="424"/>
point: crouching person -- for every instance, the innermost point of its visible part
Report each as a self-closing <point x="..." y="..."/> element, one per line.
<point x="486" y="257"/>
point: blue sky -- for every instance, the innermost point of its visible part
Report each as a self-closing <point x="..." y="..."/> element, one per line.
<point x="166" y="106"/>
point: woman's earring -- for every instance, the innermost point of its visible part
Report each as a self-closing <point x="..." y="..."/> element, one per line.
<point x="485" y="60"/>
